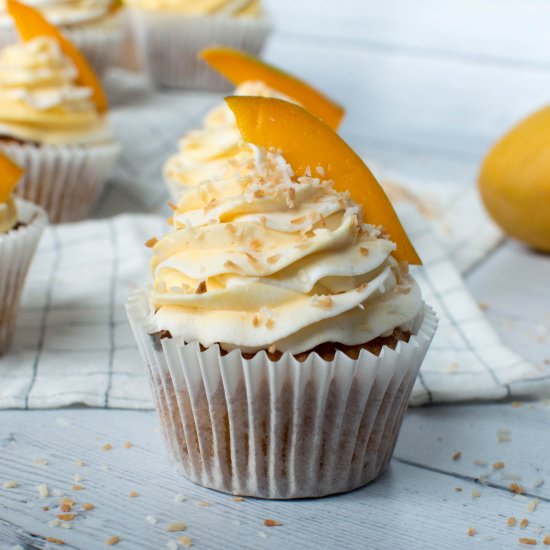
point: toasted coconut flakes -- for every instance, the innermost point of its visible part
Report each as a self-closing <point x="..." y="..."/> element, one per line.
<point x="511" y="521"/>
<point x="40" y="461"/>
<point x="150" y="243"/>
<point x="457" y="455"/>
<point x="230" y="265"/>
<point x="201" y="288"/>
<point x="53" y="540"/>
<point x="203" y="503"/>
<point x="127" y="444"/>
<point x="176" y="526"/>
<point x="256" y="321"/>
<point x="498" y="465"/>
<point x="321" y="301"/>
<point x="516" y="488"/>
<point x="237" y="499"/>
<point x="259" y="193"/>
<point x="524" y="523"/>
<point x="269" y="323"/>
<point x="298" y="221"/>
<point x="66" y="517"/>
<point x="112" y="540"/>
<point x="480" y="463"/>
<point x="290" y="197"/>
<point x="546" y="540"/>
<point x="133" y="494"/>
<point x="475" y="493"/>
<point x="65" y="501"/>
<point x="528" y="541"/>
<point x="88" y="506"/>
<point x="364" y="251"/>
<point x="151" y="520"/>
<point x="106" y="447"/>
<point x="471" y="531"/>
<point x="172" y="206"/>
<point x="185" y="541"/>
<point x="43" y="490"/>
<point x="272" y="523"/>
<point x="532" y="506"/>
<point x="78" y="488"/>
<point x="273" y="259"/>
<point x="272" y="348"/>
<point x="10" y="484"/>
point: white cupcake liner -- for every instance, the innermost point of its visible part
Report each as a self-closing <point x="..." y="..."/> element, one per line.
<point x="169" y="43"/>
<point x="281" y="429"/>
<point x="100" y="43"/>
<point x="17" y="248"/>
<point x="65" y="180"/>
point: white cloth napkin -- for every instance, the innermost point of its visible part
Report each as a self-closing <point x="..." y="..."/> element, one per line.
<point x="74" y="345"/>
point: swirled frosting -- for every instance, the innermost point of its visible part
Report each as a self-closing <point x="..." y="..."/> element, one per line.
<point x="8" y="215"/>
<point x="203" y="153"/>
<point x="228" y="8"/>
<point x="259" y="259"/>
<point x="40" y="100"/>
<point x="65" y="13"/>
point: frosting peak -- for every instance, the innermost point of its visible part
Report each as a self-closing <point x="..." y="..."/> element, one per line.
<point x="259" y="258"/>
<point x="40" y="100"/>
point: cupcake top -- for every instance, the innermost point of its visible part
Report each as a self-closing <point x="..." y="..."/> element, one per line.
<point x="65" y="13"/>
<point x="203" y="153"/>
<point x="40" y="100"/>
<point x="229" y="8"/>
<point x="260" y="259"/>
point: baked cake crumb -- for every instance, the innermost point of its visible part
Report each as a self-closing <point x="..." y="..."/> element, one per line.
<point x="499" y="465"/>
<point x="112" y="540"/>
<point x="127" y="445"/>
<point x="471" y="531"/>
<point x="524" y="523"/>
<point x="528" y="541"/>
<point x="10" y="484"/>
<point x="457" y="455"/>
<point x="516" y="488"/>
<point x="272" y="523"/>
<point x="176" y="526"/>
<point x="511" y="521"/>
<point x="185" y="541"/>
<point x="53" y="540"/>
<point x="106" y="447"/>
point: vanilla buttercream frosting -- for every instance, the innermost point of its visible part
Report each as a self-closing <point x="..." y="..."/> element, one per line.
<point x="203" y="153"/>
<point x="259" y="259"/>
<point x="40" y="100"/>
<point x="65" y="13"/>
<point x="227" y="8"/>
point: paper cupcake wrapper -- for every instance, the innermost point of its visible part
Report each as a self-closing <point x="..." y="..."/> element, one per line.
<point x="281" y="429"/>
<point x="100" y="43"/>
<point x="65" y="180"/>
<point x="17" y="248"/>
<point x="169" y="44"/>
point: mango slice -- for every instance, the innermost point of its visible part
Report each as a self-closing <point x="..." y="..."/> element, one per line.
<point x="31" y="23"/>
<point x="10" y="174"/>
<point x="238" y="67"/>
<point x="514" y="182"/>
<point x="307" y="142"/>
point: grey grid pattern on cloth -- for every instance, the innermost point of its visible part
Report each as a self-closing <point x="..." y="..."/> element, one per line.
<point x="73" y="343"/>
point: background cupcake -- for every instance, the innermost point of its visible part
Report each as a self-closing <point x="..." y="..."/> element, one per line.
<point x="203" y="153"/>
<point x="54" y="127"/>
<point x="94" y="26"/>
<point x="170" y="34"/>
<point x="21" y="225"/>
<point x="281" y="335"/>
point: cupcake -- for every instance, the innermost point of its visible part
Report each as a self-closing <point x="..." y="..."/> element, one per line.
<point x="93" y="26"/>
<point x="21" y="225"/>
<point x="170" y="33"/>
<point x="203" y="153"/>
<point x="282" y="332"/>
<point x="53" y="122"/>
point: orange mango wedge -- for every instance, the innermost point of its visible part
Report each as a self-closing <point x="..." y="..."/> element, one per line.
<point x="10" y="174"/>
<point x="239" y="66"/>
<point x="31" y="23"/>
<point x="307" y="142"/>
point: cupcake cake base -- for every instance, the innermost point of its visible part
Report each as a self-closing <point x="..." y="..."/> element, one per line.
<point x="292" y="427"/>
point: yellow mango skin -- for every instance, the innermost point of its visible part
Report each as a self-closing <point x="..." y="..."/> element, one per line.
<point x="307" y="142"/>
<point x="514" y="181"/>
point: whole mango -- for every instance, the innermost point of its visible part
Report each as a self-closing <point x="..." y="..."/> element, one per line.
<point x="514" y="181"/>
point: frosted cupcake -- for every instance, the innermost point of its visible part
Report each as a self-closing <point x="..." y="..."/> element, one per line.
<point x="281" y="335"/>
<point x="204" y="152"/>
<point x="170" y="34"/>
<point x="52" y="126"/>
<point x="93" y="25"/>
<point x="21" y="225"/>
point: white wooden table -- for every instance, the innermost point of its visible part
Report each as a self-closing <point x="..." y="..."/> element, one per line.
<point x="428" y="87"/>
